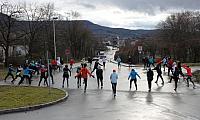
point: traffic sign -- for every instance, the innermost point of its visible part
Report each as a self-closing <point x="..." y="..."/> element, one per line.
<point x="139" y="48"/>
<point x="67" y="51"/>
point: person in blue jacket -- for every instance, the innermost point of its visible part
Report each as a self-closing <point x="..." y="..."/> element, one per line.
<point x="133" y="75"/>
<point x="113" y="79"/>
<point x="26" y="74"/>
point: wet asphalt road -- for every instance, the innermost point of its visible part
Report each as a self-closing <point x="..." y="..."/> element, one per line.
<point x="96" y="104"/>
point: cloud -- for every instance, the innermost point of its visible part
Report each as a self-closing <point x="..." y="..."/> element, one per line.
<point x="88" y="5"/>
<point x="123" y="13"/>
<point x="148" y="6"/>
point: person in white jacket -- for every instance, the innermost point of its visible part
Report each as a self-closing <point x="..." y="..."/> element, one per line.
<point x="113" y="79"/>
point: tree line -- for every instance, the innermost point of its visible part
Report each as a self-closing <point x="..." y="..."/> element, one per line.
<point x="31" y="25"/>
<point x="178" y="36"/>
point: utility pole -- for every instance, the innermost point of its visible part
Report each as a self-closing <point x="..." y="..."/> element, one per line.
<point x="54" y="36"/>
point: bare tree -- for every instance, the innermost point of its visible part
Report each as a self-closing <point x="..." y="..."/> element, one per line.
<point x="34" y="15"/>
<point x="179" y="32"/>
<point x="9" y="15"/>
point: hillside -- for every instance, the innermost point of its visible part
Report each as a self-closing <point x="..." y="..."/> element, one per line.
<point x="114" y="32"/>
<point x="102" y="31"/>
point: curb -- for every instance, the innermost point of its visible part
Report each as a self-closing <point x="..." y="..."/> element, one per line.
<point x="35" y="107"/>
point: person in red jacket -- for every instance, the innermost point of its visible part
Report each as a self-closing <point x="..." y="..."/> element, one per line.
<point x="54" y="64"/>
<point x="43" y="71"/>
<point x="169" y="65"/>
<point x="189" y="75"/>
<point x="84" y="72"/>
<point x="71" y="62"/>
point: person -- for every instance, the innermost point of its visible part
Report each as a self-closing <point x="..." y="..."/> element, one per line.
<point x="32" y="66"/>
<point x="174" y="65"/>
<point x="58" y="64"/>
<point x="133" y="75"/>
<point x="84" y="74"/>
<point x="38" y="66"/>
<point x="66" y="75"/>
<point x="90" y="62"/>
<point x="150" y="75"/>
<point x="54" y="64"/>
<point x="189" y="75"/>
<point x="26" y="74"/>
<point x="44" y="75"/>
<point x="78" y="77"/>
<point x="18" y="73"/>
<point x="151" y="61"/>
<point x="83" y="62"/>
<point x="145" y="59"/>
<point x="173" y="70"/>
<point x="129" y="61"/>
<point x="71" y="62"/>
<point x="61" y="61"/>
<point x="118" y="61"/>
<point x="99" y="74"/>
<point x="176" y="77"/>
<point x="169" y="65"/>
<point x="10" y="72"/>
<point x="96" y="64"/>
<point x="31" y="72"/>
<point x="164" y="61"/>
<point x="104" y="62"/>
<point x="159" y="72"/>
<point x="51" y="73"/>
<point x="179" y="66"/>
<point x="113" y="79"/>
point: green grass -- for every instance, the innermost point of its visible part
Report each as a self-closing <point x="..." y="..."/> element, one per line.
<point x="14" y="96"/>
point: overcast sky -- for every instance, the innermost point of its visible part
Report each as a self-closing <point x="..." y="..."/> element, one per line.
<point x="130" y="14"/>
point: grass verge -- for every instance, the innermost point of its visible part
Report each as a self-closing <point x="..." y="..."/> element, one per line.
<point x="14" y="96"/>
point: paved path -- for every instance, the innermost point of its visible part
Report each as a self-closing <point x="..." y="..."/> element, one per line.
<point x="162" y="103"/>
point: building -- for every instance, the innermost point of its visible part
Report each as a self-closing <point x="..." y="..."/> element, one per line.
<point x="14" y="51"/>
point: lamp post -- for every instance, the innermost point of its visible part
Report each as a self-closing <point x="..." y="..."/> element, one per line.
<point x="54" y="36"/>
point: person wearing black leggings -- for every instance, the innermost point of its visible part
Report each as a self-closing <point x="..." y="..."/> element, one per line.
<point x="159" y="72"/>
<point x="43" y="75"/>
<point x="150" y="75"/>
<point x="66" y="75"/>
<point x="99" y="74"/>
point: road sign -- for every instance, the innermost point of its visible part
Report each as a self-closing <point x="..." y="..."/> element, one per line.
<point x="140" y="48"/>
<point x="67" y="51"/>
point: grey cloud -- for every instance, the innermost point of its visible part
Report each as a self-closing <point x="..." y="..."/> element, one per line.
<point x="88" y="5"/>
<point x="117" y="12"/>
<point x="154" y="6"/>
<point x="151" y="6"/>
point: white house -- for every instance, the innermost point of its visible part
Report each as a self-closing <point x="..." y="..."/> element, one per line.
<point x="15" y="51"/>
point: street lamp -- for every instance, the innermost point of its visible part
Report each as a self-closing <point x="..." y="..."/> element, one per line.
<point x="54" y="36"/>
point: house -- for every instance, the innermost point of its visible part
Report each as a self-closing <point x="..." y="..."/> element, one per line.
<point x="14" y="51"/>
